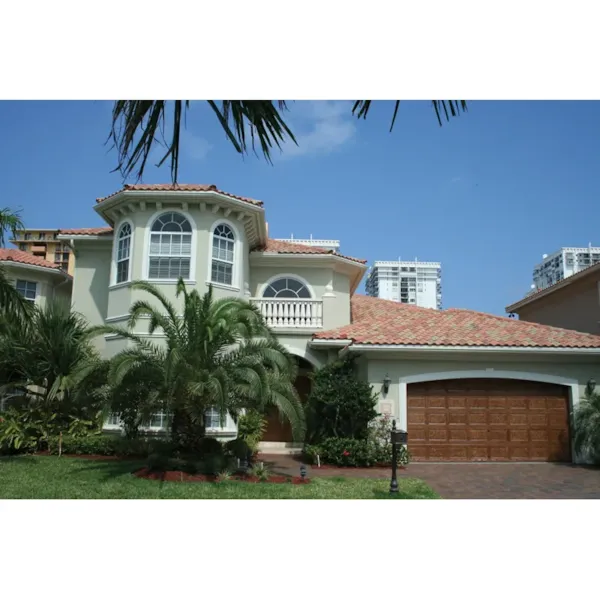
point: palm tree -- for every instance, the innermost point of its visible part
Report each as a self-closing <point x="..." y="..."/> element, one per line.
<point x="586" y="439"/>
<point x="10" y="299"/>
<point x="48" y="360"/>
<point x="218" y="354"/>
<point x="137" y="126"/>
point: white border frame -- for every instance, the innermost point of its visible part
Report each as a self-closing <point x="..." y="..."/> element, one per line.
<point x="194" y="245"/>
<point x="238" y="254"/>
<point x="570" y="383"/>
<point x="113" y="266"/>
<point x="269" y="281"/>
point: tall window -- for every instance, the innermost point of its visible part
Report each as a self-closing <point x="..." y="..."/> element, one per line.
<point x="212" y="419"/>
<point x="286" y="287"/>
<point x="222" y="255"/>
<point x="123" y="252"/>
<point x="27" y="289"/>
<point x="170" y="247"/>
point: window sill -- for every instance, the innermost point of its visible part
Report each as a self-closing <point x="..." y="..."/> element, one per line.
<point x="224" y="286"/>
<point x="169" y="281"/>
<point x="116" y="286"/>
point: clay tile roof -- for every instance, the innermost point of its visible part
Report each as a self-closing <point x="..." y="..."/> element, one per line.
<point x="376" y="321"/>
<point x="87" y="231"/>
<point x="181" y="187"/>
<point x="280" y="247"/>
<point x="24" y="258"/>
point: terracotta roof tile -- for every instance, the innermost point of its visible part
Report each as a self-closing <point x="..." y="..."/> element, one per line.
<point x="86" y="231"/>
<point x="181" y="187"/>
<point x="281" y="247"/>
<point x="24" y="258"/>
<point x="376" y="321"/>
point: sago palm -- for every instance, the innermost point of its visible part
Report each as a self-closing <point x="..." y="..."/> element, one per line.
<point x="216" y="354"/>
<point x="586" y="439"/>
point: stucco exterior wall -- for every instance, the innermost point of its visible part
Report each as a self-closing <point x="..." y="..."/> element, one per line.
<point x="90" y="283"/>
<point x="576" y="306"/>
<point x="121" y="296"/>
<point x="48" y="283"/>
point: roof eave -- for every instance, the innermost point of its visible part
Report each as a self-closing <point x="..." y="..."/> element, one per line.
<point x="478" y="349"/>
<point x="513" y="308"/>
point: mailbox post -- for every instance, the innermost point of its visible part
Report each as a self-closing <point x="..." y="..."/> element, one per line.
<point x="397" y="438"/>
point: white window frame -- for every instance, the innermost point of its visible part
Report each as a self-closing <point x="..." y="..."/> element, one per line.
<point x="27" y="282"/>
<point x="116" y="243"/>
<point x="287" y="276"/>
<point x="237" y="257"/>
<point x="148" y="236"/>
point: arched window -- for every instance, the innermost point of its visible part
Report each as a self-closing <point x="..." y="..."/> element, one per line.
<point x="222" y="255"/>
<point x="286" y="287"/>
<point x="123" y="252"/>
<point x="170" y="247"/>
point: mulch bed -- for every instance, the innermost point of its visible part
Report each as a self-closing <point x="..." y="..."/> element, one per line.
<point x="181" y="476"/>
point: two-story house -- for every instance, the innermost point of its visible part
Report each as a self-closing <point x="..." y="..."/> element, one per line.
<point x="465" y="385"/>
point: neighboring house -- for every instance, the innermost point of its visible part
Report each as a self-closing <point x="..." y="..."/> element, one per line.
<point x="43" y="243"/>
<point x="36" y="279"/>
<point x="572" y="303"/>
<point x="465" y="385"/>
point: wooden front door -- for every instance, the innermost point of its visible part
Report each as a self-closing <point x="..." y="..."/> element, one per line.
<point x="279" y="430"/>
<point x="488" y="420"/>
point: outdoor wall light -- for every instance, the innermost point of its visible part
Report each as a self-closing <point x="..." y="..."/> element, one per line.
<point x="386" y="384"/>
<point x="591" y="386"/>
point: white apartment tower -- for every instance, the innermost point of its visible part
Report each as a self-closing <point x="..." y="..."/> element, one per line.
<point x="409" y="282"/>
<point x="562" y="264"/>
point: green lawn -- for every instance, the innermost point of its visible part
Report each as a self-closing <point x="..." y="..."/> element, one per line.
<point x="53" y="477"/>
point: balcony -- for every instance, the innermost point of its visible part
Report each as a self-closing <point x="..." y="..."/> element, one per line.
<point x="291" y="313"/>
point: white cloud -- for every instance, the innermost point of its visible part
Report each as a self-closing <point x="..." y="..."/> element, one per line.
<point x="194" y="146"/>
<point x="455" y="179"/>
<point x="319" y="127"/>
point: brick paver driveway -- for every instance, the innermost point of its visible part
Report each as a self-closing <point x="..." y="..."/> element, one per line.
<point x="476" y="481"/>
<point x="509" y="480"/>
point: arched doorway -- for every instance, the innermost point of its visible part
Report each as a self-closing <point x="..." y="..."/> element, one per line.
<point x="278" y="429"/>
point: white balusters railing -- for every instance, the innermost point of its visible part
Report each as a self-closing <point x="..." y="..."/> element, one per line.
<point x="290" y="312"/>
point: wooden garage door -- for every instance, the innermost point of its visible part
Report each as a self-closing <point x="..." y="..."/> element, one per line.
<point x="488" y="420"/>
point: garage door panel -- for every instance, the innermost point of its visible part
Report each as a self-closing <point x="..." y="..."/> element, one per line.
<point x="518" y="435"/>
<point x="478" y="418"/>
<point x="456" y="417"/>
<point x="517" y="403"/>
<point x="488" y="420"/>
<point x="437" y="418"/>
<point x="437" y="435"/>
<point x="518" y="419"/>
<point x="436" y="402"/>
<point x="477" y="435"/>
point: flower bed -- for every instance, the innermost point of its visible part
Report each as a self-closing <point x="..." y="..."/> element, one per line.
<point x="182" y="476"/>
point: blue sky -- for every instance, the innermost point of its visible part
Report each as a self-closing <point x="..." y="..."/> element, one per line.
<point x="486" y="194"/>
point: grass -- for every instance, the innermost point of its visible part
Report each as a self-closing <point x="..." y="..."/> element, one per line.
<point x="66" y="478"/>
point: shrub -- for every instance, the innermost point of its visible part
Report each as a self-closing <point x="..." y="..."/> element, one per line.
<point x="224" y="476"/>
<point x="339" y="405"/>
<point x="348" y="452"/>
<point x="103" y="445"/>
<point x="238" y="448"/>
<point x="586" y="438"/>
<point x="260" y="471"/>
<point x="251" y="428"/>
<point x="208" y="446"/>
